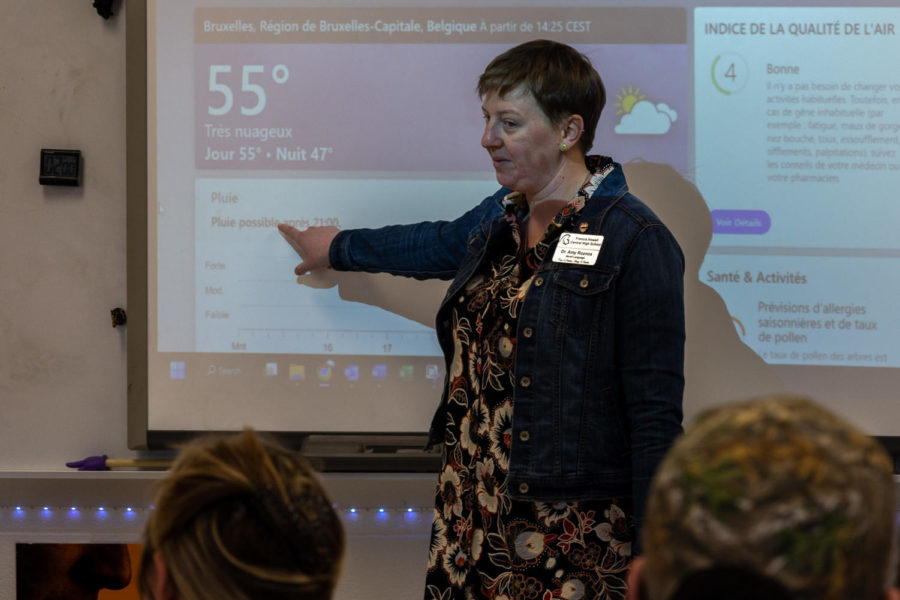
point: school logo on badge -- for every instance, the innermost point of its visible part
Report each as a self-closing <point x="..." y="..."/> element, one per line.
<point x="578" y="248"/>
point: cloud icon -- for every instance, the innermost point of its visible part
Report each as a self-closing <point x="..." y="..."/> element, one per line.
<point x="645" y="118"/>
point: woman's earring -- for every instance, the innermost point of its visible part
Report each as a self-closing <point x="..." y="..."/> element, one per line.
<point x="563" y="147"/>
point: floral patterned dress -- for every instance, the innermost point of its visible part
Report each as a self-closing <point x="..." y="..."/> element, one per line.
<point x="484" y="544"/>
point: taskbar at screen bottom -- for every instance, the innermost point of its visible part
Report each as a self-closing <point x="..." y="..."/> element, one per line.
<point x="293" y="393"/>
<point x="317" y="370"/>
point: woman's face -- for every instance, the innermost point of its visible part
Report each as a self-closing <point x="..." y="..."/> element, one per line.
<point x="522" y="142"/>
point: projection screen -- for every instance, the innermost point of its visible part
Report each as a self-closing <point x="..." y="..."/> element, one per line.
<point x="765" y="136"/>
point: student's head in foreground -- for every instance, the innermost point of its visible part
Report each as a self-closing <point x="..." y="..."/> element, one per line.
<point x="241" y="517"/>
<point x="771" y="498"/>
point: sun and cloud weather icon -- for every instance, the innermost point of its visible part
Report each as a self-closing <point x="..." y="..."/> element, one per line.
<point x="639" y="116"/>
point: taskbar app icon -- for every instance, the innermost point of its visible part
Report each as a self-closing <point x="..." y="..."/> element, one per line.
<point x="331" y="371"/>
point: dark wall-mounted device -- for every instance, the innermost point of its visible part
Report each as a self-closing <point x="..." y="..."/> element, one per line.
<point x="60" y="167"/>
<point x="104" y="8"/>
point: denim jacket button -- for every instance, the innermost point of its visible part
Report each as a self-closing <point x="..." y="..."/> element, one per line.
<point x="538" y="281"/>
<point x="525" y="381"/>
<point x="523" y="488"/>
<point x="527" y="332"/>
<point x="584" y="282"/>
<point x="524" y="436"/>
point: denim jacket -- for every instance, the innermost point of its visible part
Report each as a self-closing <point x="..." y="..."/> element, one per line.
<point x="600" y="348"/>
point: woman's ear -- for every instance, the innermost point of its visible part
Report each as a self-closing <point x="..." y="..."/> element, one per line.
<point x="573" y="127"/>
<point x="161" y="581"/>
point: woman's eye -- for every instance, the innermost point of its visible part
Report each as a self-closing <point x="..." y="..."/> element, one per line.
<point x="509" y="124"/>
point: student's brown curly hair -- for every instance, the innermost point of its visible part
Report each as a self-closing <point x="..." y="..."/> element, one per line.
<point x="242" y="517"/>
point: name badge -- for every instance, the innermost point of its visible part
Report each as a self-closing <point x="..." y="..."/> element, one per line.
<point x="578" y="248"/>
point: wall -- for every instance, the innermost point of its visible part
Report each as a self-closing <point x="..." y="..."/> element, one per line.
<point x="62" y="269"/>
<point x="62" y="250"/>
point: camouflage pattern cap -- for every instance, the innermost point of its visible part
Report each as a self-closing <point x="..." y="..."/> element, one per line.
<point x="779" y="485"/>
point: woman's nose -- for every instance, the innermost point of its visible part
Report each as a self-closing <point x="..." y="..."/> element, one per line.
<point x="489" y="138"/>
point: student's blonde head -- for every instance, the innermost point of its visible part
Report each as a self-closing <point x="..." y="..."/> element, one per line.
<point x="242" y="517"/>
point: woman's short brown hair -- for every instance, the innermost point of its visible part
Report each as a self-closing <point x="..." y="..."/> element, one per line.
<point x="243" y="517"/>
<point x="561" y="79"/>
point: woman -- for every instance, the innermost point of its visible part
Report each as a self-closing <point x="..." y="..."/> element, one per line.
<point x="240" y="517"/>
<point x="563" y="335"/>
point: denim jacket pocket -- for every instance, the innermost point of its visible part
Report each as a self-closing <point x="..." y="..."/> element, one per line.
<point x="578" y="296"/>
